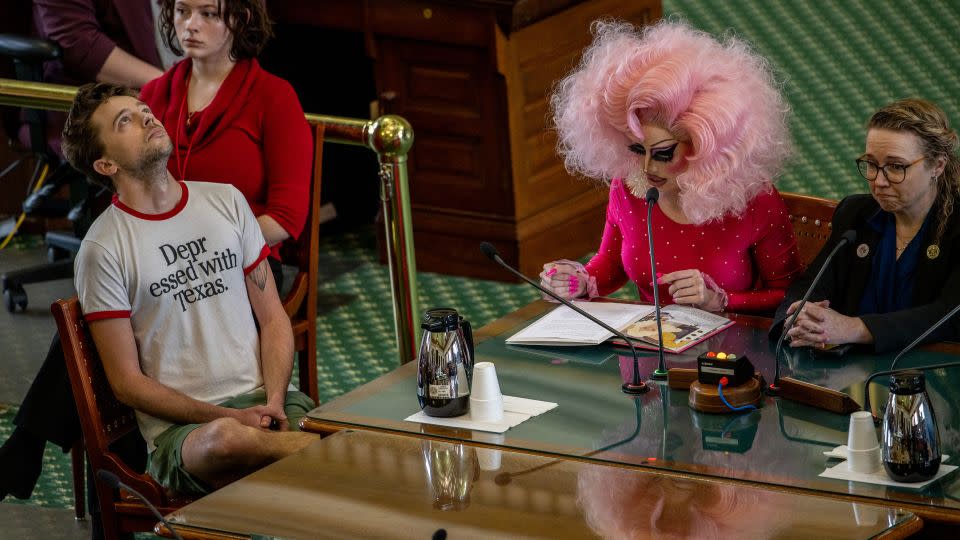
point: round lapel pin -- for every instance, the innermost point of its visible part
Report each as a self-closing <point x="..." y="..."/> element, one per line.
<point x="933" y="251"/>
<point x="863" y="250"/>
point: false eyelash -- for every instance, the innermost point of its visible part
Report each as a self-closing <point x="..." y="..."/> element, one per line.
<point x="638" y="149"/>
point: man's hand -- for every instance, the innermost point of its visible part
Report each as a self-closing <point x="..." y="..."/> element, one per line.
<point x="271" y="413"/>
<point x="818" y="325"/>
<point x="261" y="416"/>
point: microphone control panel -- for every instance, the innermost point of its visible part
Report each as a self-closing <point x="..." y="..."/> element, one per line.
<point x="713" y="366"/>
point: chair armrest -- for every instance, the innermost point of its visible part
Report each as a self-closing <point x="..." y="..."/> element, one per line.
<point x="28" y="49"/>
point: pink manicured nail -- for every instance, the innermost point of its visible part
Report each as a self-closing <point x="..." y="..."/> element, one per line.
<point x="551" y="272"/>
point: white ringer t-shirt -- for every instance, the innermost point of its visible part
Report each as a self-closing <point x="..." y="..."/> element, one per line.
<point x="179" y="277"/>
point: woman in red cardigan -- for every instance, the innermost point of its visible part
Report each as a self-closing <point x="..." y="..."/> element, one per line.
<point x="231" y="121"/>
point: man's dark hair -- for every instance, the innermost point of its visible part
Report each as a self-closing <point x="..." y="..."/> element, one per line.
<point x="81" y="144"/>
<point x="247" y="21"/>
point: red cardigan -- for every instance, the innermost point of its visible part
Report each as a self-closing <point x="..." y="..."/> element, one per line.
<point x="252" y="135"/>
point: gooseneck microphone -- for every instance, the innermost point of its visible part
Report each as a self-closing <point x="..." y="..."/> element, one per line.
<point x="849" y="237"/>
<point x="653" y="195"/>
<point x="636" y="386"/>
<point x="893" y="365"/>
<point x="114" y="482"/>
<point x="938" y="324"/>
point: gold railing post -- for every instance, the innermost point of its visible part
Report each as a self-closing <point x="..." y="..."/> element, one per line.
<point x="389" y="136"/>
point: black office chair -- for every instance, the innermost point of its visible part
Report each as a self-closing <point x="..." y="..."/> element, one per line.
<point x="28" y="55"/>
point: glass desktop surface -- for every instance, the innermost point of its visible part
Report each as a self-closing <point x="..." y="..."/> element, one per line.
<point x="362" y="484"/>
<point x="781" y="444"/>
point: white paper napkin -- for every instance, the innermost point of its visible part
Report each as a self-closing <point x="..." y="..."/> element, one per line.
<point x="516" y="410"/>
<point x="840" y="452"/>
<point x="840" y="471"/>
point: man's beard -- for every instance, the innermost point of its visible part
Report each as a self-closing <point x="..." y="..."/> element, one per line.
<point x="636" y="182"/>
<point x="151" y="165"/>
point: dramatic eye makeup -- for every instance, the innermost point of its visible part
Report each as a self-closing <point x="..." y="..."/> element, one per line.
<point x="657" y="154"/>
<point x="664" y="154"/>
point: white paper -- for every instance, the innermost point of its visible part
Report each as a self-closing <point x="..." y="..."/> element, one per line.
<point x="840" y="452"/>
<point x="840" y="471"/>
<point x="563" y="326"/>
<point x="516" y="410"/>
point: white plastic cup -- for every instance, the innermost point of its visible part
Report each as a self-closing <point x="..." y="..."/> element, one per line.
<point x="486" y="400"/>
<point x="863" y="449"/>
<point x="862" y="434"/>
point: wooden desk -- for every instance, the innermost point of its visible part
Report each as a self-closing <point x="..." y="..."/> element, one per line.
<point x="780" y="445"/>
<point x="358" y="484"/>
<point x="474" y="77"/>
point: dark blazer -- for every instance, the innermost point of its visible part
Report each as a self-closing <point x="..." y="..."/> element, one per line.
<point x="936" y="289"/>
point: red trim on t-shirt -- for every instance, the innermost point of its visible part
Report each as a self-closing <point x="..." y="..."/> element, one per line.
<point x="264" y="253"/>
<point x="156" y="217"/>
<point x="100" y="315"/>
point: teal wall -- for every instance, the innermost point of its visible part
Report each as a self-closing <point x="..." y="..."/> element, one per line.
<point x="840" y="60"/>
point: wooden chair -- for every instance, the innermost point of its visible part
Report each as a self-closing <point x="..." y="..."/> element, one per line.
<point x="812" y="219"/>
<point x="103" y="421"/>
<point x="300" y="304"/>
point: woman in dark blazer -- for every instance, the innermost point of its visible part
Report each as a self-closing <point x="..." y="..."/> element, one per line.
<point x="902" y="274"/>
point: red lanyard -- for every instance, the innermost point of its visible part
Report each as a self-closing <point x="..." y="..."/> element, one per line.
<point x="182" y="168"/>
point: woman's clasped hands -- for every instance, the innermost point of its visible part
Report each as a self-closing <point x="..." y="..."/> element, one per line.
<point x="819" y="326"/>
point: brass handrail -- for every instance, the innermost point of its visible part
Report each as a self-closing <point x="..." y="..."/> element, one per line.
<point x="389" y="136"/>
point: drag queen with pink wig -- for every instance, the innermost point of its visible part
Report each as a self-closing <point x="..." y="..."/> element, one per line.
<point x="702" y="121"/>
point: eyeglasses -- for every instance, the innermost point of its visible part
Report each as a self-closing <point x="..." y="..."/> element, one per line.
<point x="893" y="172"/>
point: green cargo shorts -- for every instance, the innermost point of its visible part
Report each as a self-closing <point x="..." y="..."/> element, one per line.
<point x="165" y="464"/>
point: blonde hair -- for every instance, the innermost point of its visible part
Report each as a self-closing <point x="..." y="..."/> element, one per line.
<point x="928" y="122"/>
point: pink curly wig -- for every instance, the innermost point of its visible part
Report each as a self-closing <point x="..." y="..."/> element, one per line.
<point x="722" y="96"/>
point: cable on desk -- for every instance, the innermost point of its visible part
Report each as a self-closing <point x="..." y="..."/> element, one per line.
<point x="723" y="382"/>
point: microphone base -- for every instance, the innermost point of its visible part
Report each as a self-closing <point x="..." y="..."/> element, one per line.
<point x="706" y="398"/>
<point x="773" y="390"/>
<point x="817" y="396"/>
<point x="659" y="375"/>
<point x="635" y="389"/>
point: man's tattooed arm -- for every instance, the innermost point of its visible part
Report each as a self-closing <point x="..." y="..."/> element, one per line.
<point x="259" y="275"/>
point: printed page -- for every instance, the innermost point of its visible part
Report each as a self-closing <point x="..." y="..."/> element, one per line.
<point x="563" y="326"/>
<point x="682" y="326"/>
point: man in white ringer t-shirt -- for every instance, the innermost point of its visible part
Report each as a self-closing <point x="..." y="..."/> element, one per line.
<point x="174" y="282"/>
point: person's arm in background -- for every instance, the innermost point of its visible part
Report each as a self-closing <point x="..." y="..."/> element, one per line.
<point x="775" y="256"/>
<point x="288" y="156"/>
<point x="123" y="68"/>
<point x="88" y="53"/>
